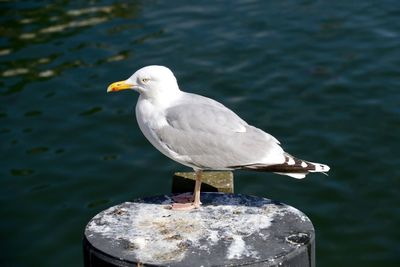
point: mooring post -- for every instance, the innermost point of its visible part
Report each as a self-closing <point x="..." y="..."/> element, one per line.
<point x="227" y="230"/>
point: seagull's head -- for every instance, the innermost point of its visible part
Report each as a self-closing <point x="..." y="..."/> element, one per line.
<point x="150" y="81"/>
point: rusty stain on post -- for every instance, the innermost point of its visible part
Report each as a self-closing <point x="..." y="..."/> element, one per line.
<point x="212" y="181"/>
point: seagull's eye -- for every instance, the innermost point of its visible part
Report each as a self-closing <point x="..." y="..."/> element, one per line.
<point x="145" y="80"/>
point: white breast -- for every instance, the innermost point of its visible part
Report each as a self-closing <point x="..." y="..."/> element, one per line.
<point x="151" y="118"/>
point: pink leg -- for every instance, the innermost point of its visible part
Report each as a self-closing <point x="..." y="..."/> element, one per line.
<point x="196" y="196"/>
<point x="197" y="186"/>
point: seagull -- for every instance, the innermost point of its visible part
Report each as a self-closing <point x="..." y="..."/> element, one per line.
<point x="202" y="133"/>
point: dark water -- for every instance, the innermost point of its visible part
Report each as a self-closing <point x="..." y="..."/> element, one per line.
<point x="322" y="76"/>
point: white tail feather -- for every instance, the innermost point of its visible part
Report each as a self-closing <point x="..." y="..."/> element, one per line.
<point x="294" y="175"/>
<point x="320" y="167"/>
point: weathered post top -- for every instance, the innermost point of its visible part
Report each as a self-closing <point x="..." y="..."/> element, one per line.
<point x="228" y="230"/>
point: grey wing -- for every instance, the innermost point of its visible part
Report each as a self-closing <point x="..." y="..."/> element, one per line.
<point x="210" y="136"/>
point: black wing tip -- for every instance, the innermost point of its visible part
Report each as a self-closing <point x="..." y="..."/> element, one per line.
<point x="290" y="165"/>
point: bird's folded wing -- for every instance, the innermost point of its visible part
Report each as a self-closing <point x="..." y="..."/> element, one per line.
<point x="212" y="136"/>
<point x="204" y="118"/>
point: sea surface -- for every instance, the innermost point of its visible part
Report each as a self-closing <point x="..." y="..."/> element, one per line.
<point x="321" y="76"/>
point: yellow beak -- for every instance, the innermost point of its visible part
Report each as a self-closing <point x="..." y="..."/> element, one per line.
<point x="118" y="86"/>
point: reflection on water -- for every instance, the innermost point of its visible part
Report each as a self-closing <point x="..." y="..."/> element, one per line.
<point x="14" y="72"/>
<point x="24" y="28"/>
<point x="322" y="76"/>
